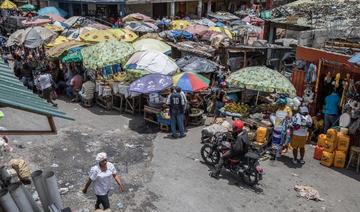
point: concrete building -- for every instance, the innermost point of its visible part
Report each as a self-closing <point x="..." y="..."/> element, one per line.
<point x="152" y="8"/>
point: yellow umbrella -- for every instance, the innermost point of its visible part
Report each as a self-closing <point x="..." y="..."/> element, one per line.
<point x="179" y="24"/>
<point x="223" y="30"/>
<point x="97" y="36"/>
<point x="54" y="28"/>
<point x="7" y="4"/>
<point x="125" y="35"/>
<point x="59" y="40"/>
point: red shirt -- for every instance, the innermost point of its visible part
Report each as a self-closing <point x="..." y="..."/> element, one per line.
<point x="76" y="82"/>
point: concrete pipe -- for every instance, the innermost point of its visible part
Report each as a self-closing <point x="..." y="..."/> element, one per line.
<point x="53" y="189"/>
<point x="34" y="206"/>
<point x="17" y="193"/>
<point x="39" y="182"/>
<point x="7" y="202"/>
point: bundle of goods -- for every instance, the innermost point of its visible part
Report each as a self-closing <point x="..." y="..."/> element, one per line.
<point x="267" y="108"/>
<point x="332" y="148"/>
<point x="242" y="109"/>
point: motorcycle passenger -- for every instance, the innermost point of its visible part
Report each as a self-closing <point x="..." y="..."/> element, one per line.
<point x="239" y="147"/>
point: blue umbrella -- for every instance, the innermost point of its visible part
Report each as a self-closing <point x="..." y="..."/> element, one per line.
<point x="152" y="83"/>
<point x="52" y="10"/>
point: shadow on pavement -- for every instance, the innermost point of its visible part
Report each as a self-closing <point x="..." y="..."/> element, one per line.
<point x="287" y="161"/>
<point x="233" y="180"/>
<point x="348" y="172"/>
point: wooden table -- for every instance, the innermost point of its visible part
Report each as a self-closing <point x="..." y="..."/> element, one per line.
<point x="104" y="101"/>
<point x="150" y="114"/>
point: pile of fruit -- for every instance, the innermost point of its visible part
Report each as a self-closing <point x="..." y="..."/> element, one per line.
<point x="267" y="108"/>
<point x="237" y="108"/>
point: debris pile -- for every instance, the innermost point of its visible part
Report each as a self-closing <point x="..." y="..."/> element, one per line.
<point x="319" y="13"/>
<point x="308" y="192"/>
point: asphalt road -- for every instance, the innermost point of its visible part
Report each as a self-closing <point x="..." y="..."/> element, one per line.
<point x="163" y="174"/>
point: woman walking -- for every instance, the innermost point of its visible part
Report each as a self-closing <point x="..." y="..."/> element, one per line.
<point x="100" y="175"/>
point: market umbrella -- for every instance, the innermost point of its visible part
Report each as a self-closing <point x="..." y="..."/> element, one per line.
<point x="151" y="44"/>
<point x="151" y="61"/>
<point x="196" y="64"/>
<point x="27" y="7"/>
<point x="8" y="5"/>
<point x="36" y="22"/>
<point x="74" y="34"/>
<point x="54" y="28"/>
<point x="52" y="10"/>
<point x="58" y="50"/>
<point x="179" y="24"/>
<point x="31" y="37"/>
<point x="151" y="83"/>
<point x="261" y="78"/>
<point x="106" y="53"/>
<point x="197" y="29"/>
<point x="223" y="30"/>
<point x="59" y="40"/>
<point x="55" y="17"/>
<point x="123" y="34"/>
<point x="138" y="26"/>
<point x="97" y="36"/>
<point x="137" y="17"/>
<point x="73" y="55"/>
<point x="191" y="82"/>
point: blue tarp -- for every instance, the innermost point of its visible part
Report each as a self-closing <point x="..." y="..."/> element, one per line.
<point x="355" y="59"/>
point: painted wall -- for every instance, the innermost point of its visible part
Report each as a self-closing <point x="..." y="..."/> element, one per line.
<point x="145" y="9"/>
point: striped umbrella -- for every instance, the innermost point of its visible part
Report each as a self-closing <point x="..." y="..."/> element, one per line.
<point x="191" y="82"/>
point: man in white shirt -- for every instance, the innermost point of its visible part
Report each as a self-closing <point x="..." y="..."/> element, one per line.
<point x="301" y="122"/>
<point x="101" y="175"/>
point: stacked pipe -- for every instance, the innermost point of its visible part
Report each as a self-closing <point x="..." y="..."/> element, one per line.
<point x="16" y="198"/>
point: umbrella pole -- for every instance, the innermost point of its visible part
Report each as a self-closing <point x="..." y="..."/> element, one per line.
<point x="257" y="97"/>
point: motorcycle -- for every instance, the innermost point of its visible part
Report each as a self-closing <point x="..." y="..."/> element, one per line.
<point x="248" y="169"/>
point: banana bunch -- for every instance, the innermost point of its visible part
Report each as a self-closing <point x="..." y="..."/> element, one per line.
<point x="237" y="108"/>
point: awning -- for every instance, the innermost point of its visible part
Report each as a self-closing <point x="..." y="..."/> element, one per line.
<point x="15" y="95"/>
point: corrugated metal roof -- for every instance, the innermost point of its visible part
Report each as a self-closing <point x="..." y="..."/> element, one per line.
<point x="14" y="94"/>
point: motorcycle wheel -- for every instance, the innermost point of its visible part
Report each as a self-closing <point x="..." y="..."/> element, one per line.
<point x="210" y="156"/>
<point x="250" y="177"/>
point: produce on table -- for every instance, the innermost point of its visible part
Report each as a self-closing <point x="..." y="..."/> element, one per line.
<point x="237" y="108"/>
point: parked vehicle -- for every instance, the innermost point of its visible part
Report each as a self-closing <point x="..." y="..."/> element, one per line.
<point x="248" y="169"/>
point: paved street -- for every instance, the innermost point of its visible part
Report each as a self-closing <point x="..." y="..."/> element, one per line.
<point x="163" y="174"/>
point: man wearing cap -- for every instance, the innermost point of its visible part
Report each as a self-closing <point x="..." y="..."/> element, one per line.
<point x="101" y="175"/>
<point x="300" y="123"/>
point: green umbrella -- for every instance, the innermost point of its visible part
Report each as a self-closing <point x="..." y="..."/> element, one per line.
<point x="72" y="57"/>
<point x="261" y="78"/>
<point x="106" y="53"/>
<point x="27" y="7"/>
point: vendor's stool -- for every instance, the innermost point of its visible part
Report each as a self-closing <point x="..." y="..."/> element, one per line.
<point x="354" y="150"/>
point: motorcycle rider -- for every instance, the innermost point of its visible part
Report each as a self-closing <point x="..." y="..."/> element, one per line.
<point x="239" y="146"/>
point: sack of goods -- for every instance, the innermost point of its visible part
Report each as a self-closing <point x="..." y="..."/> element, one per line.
<point x="327" y="159"/>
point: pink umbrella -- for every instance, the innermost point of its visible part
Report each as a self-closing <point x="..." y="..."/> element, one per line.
<point x="56" y="17"/>
<point x="197" y="29"/>
<point x="35" y="22"/>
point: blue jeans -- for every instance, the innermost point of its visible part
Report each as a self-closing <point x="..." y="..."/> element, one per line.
<point x="330" y="121"/>
<point x="177" y="119"/>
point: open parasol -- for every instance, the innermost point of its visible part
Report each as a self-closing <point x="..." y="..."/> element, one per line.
<point x="73" y="55"/>
<point x="106" y="53"/>
<point x="52" y="10"/>
<point x="74" y="34"/>
<point x="152" y="44"/>
<point x="151" y="83"/>
<point x="8" y="5"/>
<point x="191" y="82"/>
<point x="32" y="37"/>
<point x="58" y="50"/>
<point x="179" y="24"/>
<point x="27" y="7"/>
<point x="123" y="34"/>
<point x="138" y="26"/>
<point x="137" y="17"/>
<point x="261" y="78"/>
<point x="59" y="40"/>
<point x="97" y="36"/>
<point x="151" y="61"/>
<point x="196" y="64"/>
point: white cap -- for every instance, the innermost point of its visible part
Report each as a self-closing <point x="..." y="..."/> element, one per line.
<point x="101" y="156"/>
<point x="304" y="109"/>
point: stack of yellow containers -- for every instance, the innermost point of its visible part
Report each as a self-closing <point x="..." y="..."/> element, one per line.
<point x="334" y="147"/>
